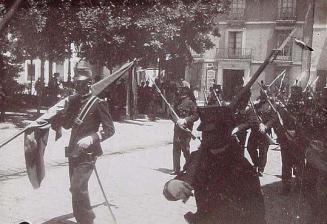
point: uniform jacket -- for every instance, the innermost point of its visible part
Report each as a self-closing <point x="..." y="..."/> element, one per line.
<point x="187" y="109"/>
<point x="97" y="115"/>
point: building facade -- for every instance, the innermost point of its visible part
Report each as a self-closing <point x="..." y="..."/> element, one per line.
<point x="248" y="33"/>
<point x="319" y="44"/>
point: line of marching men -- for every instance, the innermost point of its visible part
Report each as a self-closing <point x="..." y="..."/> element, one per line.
<point x="299" y="120"/>
<point x="226" y="184"/>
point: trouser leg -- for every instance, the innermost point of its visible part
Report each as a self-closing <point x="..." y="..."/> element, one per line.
<point x="176" y="152"/>
<point x="252" y="150"/>
<point x="80" y="175"/>
<point x="286" y="167"/>
<point x="310" y="190"/>
<point x="185" y="147"/>
<point x="263" y="150"/>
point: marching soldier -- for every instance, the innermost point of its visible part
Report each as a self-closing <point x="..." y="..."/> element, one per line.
<point x="288" y="139"/>
<point x="315" y="178"/>
<point x="215" y="95"/>
<point x="226" y="188"/>
<point x="83" y="114"/>
<point x="259" y="120"/>
<point x="186" y="110"/>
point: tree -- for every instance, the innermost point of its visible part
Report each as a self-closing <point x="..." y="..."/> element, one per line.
<point x="112" y="32"/>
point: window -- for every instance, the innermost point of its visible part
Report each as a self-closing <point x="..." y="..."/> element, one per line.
<point x="234" y="43"/>
<point x="237" y="8"/>
<point x="286" y="53"/>
<point x="287" y="9"/>
<point x="30" y="72"/>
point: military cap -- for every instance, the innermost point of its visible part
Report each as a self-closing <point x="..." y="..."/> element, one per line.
<point x="217" y="88"/>
<point x="82" y="74"/>
<point x="184" y="91"/>
<point x="296" y="93"/>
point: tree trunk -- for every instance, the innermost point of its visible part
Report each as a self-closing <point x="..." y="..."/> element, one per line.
<point x="41" y="89"/>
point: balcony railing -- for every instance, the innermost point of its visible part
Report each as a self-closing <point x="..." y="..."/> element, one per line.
<point x="236" y="14"/>
<point x="285" y="55"/>
<point x="234" y="53"/>
<point x="286" y="13"/>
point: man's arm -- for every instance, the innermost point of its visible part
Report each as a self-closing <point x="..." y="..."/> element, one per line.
<point x="108" y="128"/>
<point x="193" y="116"/>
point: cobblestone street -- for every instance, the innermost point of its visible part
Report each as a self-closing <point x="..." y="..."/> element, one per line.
<point x="133" y="169"/>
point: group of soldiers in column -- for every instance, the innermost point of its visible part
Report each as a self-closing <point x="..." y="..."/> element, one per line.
<point x="226" y="186"/>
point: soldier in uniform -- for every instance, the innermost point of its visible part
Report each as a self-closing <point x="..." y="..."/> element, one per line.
<point x="288" y="136"/>
<point x="315" y="174"/>
<point x="186" y="110"/>
<point x="258" y="118"/>
<point x="83" y="114"/>
<point x="226" y="188"/>
<point x="214" y="95"/>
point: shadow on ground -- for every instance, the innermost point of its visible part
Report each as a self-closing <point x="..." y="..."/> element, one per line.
<point x="164" y="170"/>
<point x="64" y="219"/>
<point x="19" y="120"/>
<point x="135" y="122"/>
<point x="280" y="209"/>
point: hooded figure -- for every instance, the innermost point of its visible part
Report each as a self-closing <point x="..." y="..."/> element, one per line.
<point x="226" y="189"/>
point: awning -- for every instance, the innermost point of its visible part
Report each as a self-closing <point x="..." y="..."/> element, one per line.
<point x="99" y="86"/>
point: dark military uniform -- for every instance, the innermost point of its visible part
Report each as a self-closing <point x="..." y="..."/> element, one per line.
<point x="226" y="189"/>
<point x="258" y="143"/>
<point x="81" y="163"/>
<point x="290" y="141"/>
<point x="315" y="174"/>
<point x="186" y="109"/>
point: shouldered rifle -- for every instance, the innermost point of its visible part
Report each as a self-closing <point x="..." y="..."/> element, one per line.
<point x="272" y="106"/>
<point x="217" y="97"/>
<point x="172" y="109"/>
<point x="270" y="140"/>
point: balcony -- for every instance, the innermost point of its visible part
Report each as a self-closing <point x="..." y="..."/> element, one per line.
<point x="234" y="53"/>
<point x="285" y="56"/>
<point x="286" y="16"/>
<point x="236" y="17"/>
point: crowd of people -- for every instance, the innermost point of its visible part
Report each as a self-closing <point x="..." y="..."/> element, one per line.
<point x="226" y="186"/>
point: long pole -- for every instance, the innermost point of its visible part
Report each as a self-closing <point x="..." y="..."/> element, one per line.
<point x="282" y="73"/>
<point x="114" y="221"/>
<point x="271" y="57"/>
<point x="12" y="137"/>
<point x="171" y="108"/>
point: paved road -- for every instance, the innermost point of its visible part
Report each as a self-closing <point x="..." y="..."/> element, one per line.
<point x="133" y="169"/>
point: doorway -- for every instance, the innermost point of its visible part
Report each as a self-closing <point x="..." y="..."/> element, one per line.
<point x="232" y="81"/>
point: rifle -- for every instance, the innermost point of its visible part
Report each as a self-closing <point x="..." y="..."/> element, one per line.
<point x="270" y="140"/>
<point x="282" y="73"/>
<point x="217" y="97"/>
<point x="270" y="58"/>
<point x="172" y="109"/>
<point x="272" y="106"/>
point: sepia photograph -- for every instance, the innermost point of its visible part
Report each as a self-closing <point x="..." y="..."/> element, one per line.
<point x="163" y="111"/>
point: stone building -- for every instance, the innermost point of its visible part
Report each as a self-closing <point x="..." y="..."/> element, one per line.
<point x="248" y="33"/>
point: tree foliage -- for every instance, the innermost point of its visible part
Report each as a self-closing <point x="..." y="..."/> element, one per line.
<point x="110" y="32"/>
